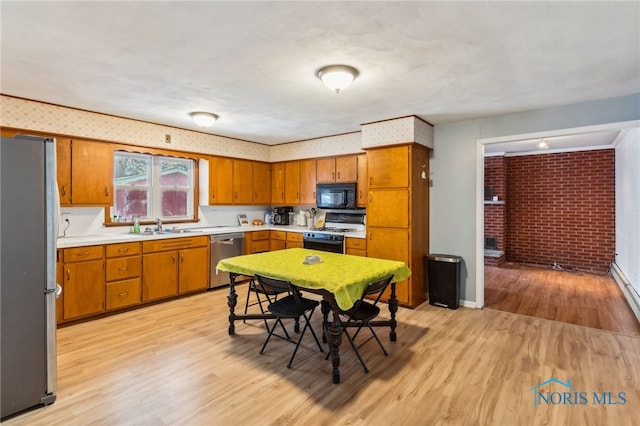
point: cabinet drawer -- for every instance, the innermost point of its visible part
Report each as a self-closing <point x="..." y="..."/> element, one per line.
<point x="123" y="268"/>
<point x="260" y="246"/>
<point x="174" y="244"/>
<point x="260" y="235"/>
<point x="83" y="253"/>
<point x="124" y="249"/>
<point x="294" y="236"/>
<point x="278" y="235"/>
<point x="123" y="293"/>
<point x="356" y="243"/>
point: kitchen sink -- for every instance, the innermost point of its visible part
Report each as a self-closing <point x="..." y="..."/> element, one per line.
<point x="181" y="231"/>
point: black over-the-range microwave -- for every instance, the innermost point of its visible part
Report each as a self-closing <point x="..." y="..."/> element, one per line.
<point x="336" y="195"/>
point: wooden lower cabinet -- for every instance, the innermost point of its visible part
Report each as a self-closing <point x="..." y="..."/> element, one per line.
<point x="294" y="240"/>
<point x="174" y="266"/>
<point x="193" y="270"/>
<point x="256" y="242"/>
<point x="392" y="244"/>
<point x="159" y="275"/>
<point x="277" y="240"/>
<point x="121" y="294"/>
<point x="355" y="246"/>
<point x="123" y="275"/>
<point x="83" y="282"/>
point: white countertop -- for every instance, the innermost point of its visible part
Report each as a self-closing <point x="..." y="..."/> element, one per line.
<point x="90" y="240"/>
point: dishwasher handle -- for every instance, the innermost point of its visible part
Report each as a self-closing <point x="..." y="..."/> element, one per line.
<point x="228" y="241"/>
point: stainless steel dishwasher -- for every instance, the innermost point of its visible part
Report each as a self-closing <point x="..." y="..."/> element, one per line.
<point x="222" y="247"/>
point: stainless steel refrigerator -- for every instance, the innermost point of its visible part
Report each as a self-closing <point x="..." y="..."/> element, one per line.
<point x="28" y="230"/>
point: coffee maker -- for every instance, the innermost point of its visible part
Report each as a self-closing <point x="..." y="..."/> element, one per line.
<point x="281" y="215"/>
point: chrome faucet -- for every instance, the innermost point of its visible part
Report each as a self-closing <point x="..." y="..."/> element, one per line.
<point x="159" y="225"/>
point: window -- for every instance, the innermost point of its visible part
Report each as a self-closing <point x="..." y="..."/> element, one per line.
<point x="153" y="186"/>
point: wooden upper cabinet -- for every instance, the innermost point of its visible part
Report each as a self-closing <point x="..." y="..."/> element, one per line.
<point x="338" y="169"/>
<point x="388" y="207"/>
<point x="308" y="182"/>
<point x="261" y="183"/>
<point x="220" y="180"/>
<point x="242" y="182"/>
<point x="63" y="169"/>
<point x="388" y="167"/>
<point x="361" y="185"/>
<point x="326" y="170"/>
<point x="292" y="182"/>
<point x="277" y="183"/>
<point x="91" y="172"/>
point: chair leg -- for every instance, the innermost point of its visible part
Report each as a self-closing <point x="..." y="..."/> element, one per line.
<point x="313" y="332"/>
<point x="377" y="339"/>
<point x="269" y="335"/>
<point x="355" y="349"/>
<point x="307" y="324"/>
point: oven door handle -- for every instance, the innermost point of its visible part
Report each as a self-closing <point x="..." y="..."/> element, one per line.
<point x="322" y="241"/>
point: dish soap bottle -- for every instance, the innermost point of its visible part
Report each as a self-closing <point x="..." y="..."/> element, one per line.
<point x="136" y="225"/>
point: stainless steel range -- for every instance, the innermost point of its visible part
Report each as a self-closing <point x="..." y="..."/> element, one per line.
<point x="330" y="237"/>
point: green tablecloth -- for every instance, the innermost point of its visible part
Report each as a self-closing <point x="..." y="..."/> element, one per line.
<point x="343" y="275"/>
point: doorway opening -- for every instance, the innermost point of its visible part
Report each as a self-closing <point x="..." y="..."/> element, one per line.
<point x="531" y="277"/>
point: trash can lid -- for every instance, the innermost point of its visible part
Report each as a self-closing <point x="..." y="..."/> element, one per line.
<point x="451" y="258"/>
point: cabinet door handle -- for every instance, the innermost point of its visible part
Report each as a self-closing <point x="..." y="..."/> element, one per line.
<point x="370" y="181"/>
<point x="338" y="175"/>
<point x="63" y="190"/>
<point x="123" y="294"/>
<point x="68" y="274"/>
<point x="181" y="257"/>
<point x="123" y="269"/>
<point x="333" y="175"/>
<point x="106" y="191"/>
<point x="83" y="254"/>
<point x="314" y="195"/>
<point x="235" y="195"/>
<point x="213" y="195"/>
<point x="370" y="199"/>
<point x="173" y="259"/>
<point x="123" y="250"/>
<point x="360" y="196"/>
<point x="370" y="236"/>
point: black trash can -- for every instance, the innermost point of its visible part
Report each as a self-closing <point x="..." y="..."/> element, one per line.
<point x="443" y="279"/>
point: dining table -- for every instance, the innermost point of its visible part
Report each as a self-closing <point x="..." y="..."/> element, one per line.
<point x="339" y="278"/>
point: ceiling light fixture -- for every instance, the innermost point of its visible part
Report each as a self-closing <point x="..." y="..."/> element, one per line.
<point x="543" y="144"/>
<point x="203" y="119"/>
<point x="337" y="77"/>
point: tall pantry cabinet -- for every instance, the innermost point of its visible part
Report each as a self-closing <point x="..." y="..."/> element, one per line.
<point x="398" y="176"/>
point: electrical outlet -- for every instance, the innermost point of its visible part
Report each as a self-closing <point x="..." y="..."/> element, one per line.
<point x="66" y="217"/>
<point x="167" y="138"/>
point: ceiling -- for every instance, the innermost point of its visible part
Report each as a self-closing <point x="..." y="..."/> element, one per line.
<point x="254" y="63"/>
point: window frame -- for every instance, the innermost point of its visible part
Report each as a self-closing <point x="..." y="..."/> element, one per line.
<point x="155" y="188"/>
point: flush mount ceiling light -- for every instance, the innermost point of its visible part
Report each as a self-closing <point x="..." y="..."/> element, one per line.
<point x="203" y="119"/>
<point x="337" y="77"/>
<point x="543" y="144"/>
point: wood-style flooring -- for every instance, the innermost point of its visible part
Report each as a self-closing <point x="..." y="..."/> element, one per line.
<point x="174" y="364"/>
<point x="573" y="297"/>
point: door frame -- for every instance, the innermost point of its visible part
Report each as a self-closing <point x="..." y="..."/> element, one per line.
<point x="480" y="144"/>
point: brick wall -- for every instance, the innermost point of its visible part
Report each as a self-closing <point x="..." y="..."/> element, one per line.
<point x="494" y="214"/>
<point x="561" y="208"/>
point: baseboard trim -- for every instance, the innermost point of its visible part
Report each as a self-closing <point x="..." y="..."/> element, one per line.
<point x="633" y="299"/>
<point x="468" y="303"/>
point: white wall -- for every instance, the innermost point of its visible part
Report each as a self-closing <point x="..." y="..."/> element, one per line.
<point x="628" y="205"/>
<point x="454" y="169"/>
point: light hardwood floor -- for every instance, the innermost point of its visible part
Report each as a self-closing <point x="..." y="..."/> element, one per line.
<point x="572" y="297"/>
<point x="174" y="364"/>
